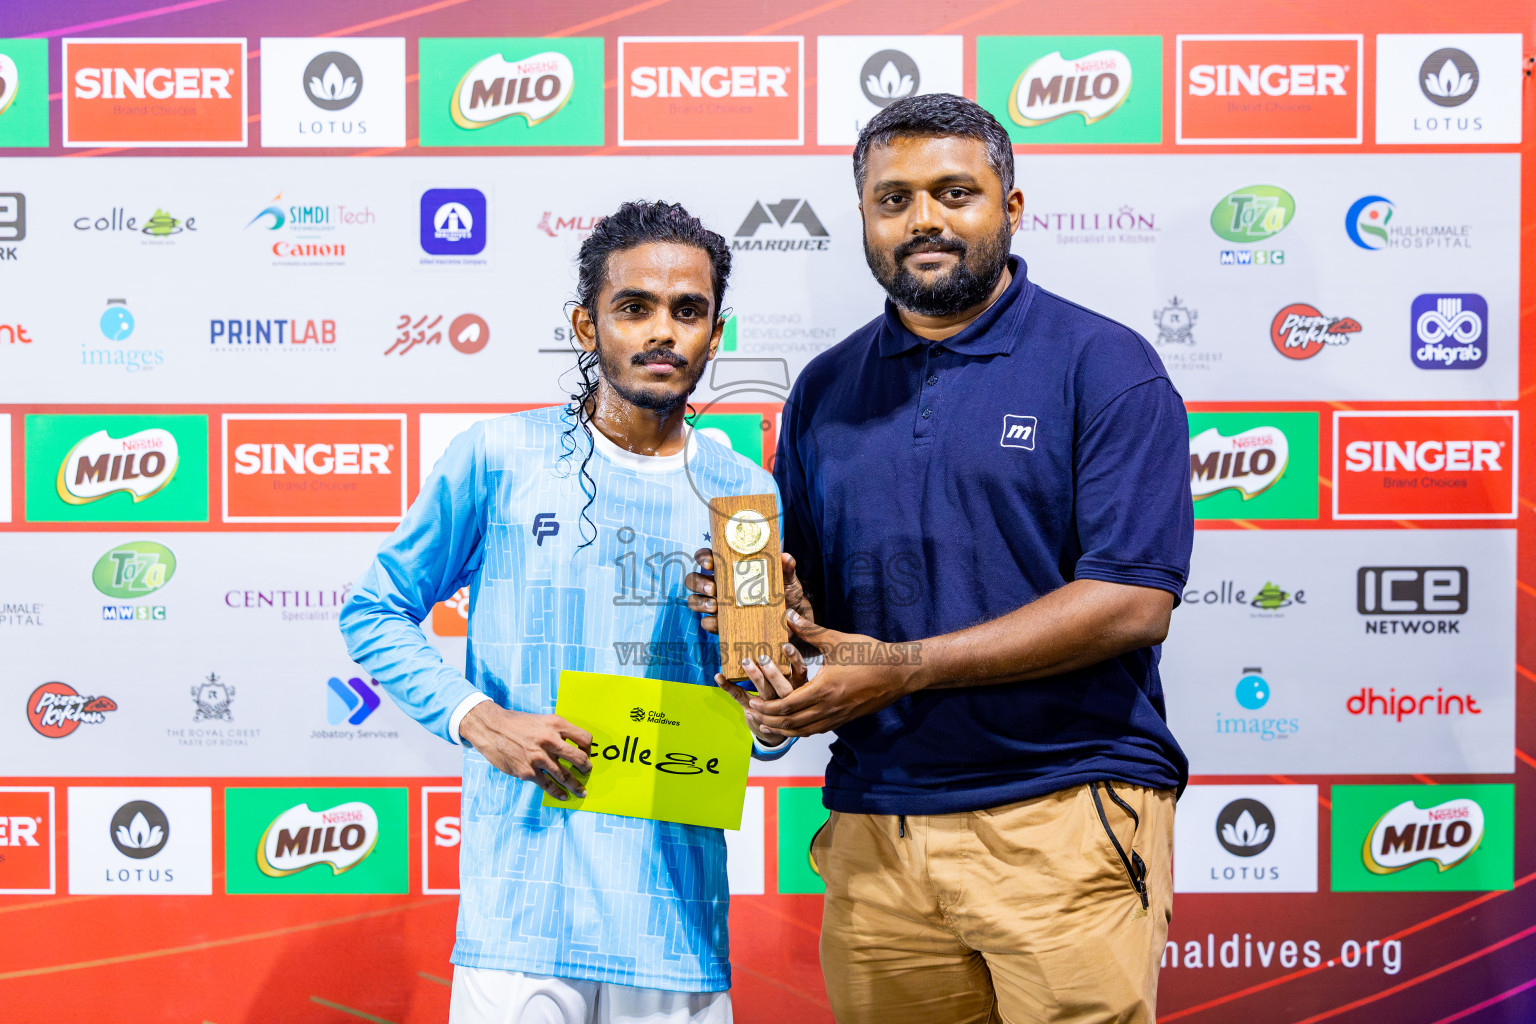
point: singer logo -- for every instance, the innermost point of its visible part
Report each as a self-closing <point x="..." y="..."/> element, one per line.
<point x="320" y="468"/>
<point x="26" y="840"/>
<point x="440" y="839"/>
<point x="1424" y="465"/>
<point x="1276" y="90"/>
<point x="495" y="89"/>
<point x="739" y="91"/>
<point x="154" y="92"/>
<point x="299" y="838"/>
<point x="101" y="464"/>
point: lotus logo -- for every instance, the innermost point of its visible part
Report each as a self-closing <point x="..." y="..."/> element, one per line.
<point x="135" y="569"/>
<point x="139" y="829"/>
<point x="1250" y="462"/>
<point x="1367" y="220"/>
<point x="1245" y="828"/>
<point x="10" y="77"/>
<point x="333" y="81"/>
<point x="1448" y="77"/>
<point x="300" y="838"/>
<point x="494" y="89"/>
<point x="888" y="76"/>
<point x="1093" y="86"/>
<point x="1253" y="214"/>
<point x="141" y="464"/>
<point x="1447" y="834"/>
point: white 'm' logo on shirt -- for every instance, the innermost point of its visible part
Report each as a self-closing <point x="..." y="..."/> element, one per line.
<point x="1018" y="432"/>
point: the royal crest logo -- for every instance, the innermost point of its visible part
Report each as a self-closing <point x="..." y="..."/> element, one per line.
<point x="99" y="464"/>
<point x="341" y="837"/>
<point x="1250" y="462"/>
<point x="213" y="700"/>
<point x="1093" y="86"/>
<point x="1447" y="834"/>
<point x="495" y="89"/>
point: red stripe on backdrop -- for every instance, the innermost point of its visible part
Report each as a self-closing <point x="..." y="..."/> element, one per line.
<point x="1469" y="1011"/>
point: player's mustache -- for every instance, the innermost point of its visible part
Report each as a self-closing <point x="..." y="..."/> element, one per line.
<point x="658" y="355"/>
<point x="916" y="245"/>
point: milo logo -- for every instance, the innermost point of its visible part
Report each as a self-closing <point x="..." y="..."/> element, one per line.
<point x="340" y="837"/>
<point x="1447" y="834"/>
<point x="100" y="464"/>
<point x="1250" y="462"/>
<point x="495" y="89"/>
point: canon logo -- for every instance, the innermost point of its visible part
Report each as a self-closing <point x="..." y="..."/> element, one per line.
<point x="318" y="459"/>
<point x="737" y="82"/>
<point x="1268" y="80"/>
<point x="1425" y="456"/>
<point x="153" y="83"/>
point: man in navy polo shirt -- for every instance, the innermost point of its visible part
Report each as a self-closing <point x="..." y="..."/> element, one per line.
<point x="986" y="494"/>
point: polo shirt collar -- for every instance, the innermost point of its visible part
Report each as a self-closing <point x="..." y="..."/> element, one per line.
<point x="992" y="333"/>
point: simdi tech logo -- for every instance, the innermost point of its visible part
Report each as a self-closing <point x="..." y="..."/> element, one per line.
<point x="23" y="92"/>
<point x="1254" y="465"/>
<point x="711" y="91"/>
<point x="117" y="468"/>
<point x="1073" y="89"/>
<point x="511" y="92"/>
<point x="1272" y="90"/>
<point x="333" y="93"/>
<point x="181" y="93"/>
<point x="1425" y="465"/>
<point x="26" y="840"/>
<point x="1448" y="838"/>
<point x="314" y="468"/>
<point x="315" y="840"/>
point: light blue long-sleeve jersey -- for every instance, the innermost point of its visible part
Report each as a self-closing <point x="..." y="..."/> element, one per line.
<point x="574" y="894"/>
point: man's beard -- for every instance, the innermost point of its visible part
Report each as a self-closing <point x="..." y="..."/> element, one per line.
<point x="966" y="286"/>
<point x="609" y="368"/>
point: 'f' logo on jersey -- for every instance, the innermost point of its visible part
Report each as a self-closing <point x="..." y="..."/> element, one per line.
<point x="1018" y="432"/>
<point x="544" y="525"/>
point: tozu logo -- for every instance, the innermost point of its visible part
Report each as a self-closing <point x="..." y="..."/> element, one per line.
<point x="1250" y="462"/>
<point x="1424" y="465"/>
<point x="315" y="468"/>
<point x="494" y="89"/>
<point x="1275" y="90"/>
<point x="340" y="837"/>
<point x="703" y="91"/>
<point x="100" y="464"/>
<point x="1408" y="834"/>
<point x="1093" y="86"/>
<point x="154" y="92"/>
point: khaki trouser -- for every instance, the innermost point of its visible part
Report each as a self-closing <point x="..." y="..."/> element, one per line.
<point x="1017" y="914"/>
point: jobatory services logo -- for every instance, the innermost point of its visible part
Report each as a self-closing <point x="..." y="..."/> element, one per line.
<point x="788" y="225"/>
<point x="1425" y="465"/>
<point x="466" y="333"/>
<point x="1448" y="88"/>
<point x="315" y="840"/>
<point x="26" y="840"/>
<point x="859" y="76"/>
<point x="1249" y="215"/>
<point x="511" y="92"/>
<point x="351" y="701"/>
<point x="1450" y="838"/>
<point x="305" y="233"/>
<point x="441" y="836"/>
<point x="180" y="93"/>
<point x="1372" y="223"/>
<point x="57" y="709"/>
<point x="1246" y="839"/>
<point x="23" y="92"/>
<point x="150" y="840"/>
<point x="1073" y="89"/>
<point x="116" y="468"/>
<point x="1271" y="90"/>
<point x="1450" y="331"/>
<point x="1301" y="331"/>
<point x="1253" y="465"/>
<point x="314" y="468"/>
<point x="335" y="93"/>
<point x="711" y="91"/>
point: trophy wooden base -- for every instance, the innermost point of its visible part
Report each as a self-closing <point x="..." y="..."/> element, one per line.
<point x="749" y="582"/>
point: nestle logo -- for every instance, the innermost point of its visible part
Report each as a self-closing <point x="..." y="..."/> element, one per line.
<point x="1018" y="432"/>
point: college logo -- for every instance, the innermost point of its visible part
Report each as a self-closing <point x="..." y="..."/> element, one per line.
<point x="154" y="92"/>
<point x="1034" y="84"/>
<point x="1275" y="90"/>
<point x="213" y="699"/>
<point x="138" y="840"/>
<point x="1253" y="465"/>
<point x="315" y="92"/>
<point x="351" y="701"/>
<point x="313" y="840"/>
<point x="293" y="468"/>
<point x="466" y="333"/>
<point x="99" y="464"/>
<point x="23" y="92"/>
<point x="808" y="232"/>
<point x="453" y="222"/>
<point x="703" y="91"/>
<point x="1247" y="839"/>
<point x="1267" y="599"/>
<point x="131" y="468"/>
<point x="26" y="840"/>
<point x="1299" y="331"/>
<point x="1424" y="465"/>
<point x="441" y="834"/>
<point x="1450" y="331"/>
<point x="511" y="92"/>
<point x="1448" y="88"/>
<point x="58" y="709"/>
<point x="1423" y="838"/>
<point x="858" y="76"/>
<point x="159" y="226"/>
<point x="1018" y="432"/>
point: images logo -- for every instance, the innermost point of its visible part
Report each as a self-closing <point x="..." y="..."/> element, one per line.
<point x="1367" y="220"/>
<point x="1423" y="838"/>
<point x="135" y="569"/>
<point x="1032" y="84"/>
<point x="26" y="840"/>
<point x="116" y="322"/>
<point x="23" y="92"/>
<point x="511" y="92"/>
<point x="781" y="215"/>
<point x="1277" y="90"/>
<point x="1299" y="331"/>
<point x="351" y="701"/>
<point x="1448" y="77"/>
<point x="58" y="709"/>
<point x="453" y="221"/>
<point x="1253" y="465"/>
<point x="293" y="468"/>
<point x="1450" y="331"/>
<point x="284" y="840"/>
<point x="99" y="464"/>
<point x="494" y="89"/>
<point x="1245" y="828"/>
<point x="1424" y="465"/>
<point x="669" y="88"/>
<point x="116" y="91"/>
<point x="1252" y="689"/>
<point x="1253" y="693"/>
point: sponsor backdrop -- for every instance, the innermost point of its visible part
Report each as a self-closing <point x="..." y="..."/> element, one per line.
<point x="223" y="379"/>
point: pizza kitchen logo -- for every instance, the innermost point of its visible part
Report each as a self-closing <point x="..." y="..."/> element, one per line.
<point x="1300" y="331"/>
<point x="57" y="709"/>
<point x="1249" y="462"/>
<point x="98" y="465"/>
<point x="178" y="93"/>
<point x="340" y="838"/>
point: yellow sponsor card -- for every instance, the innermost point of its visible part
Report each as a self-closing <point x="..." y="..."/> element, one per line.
<point x="661" y="750"/>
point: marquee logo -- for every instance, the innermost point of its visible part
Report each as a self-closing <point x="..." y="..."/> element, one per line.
<point x="154" y="92"/>
<point x="1093" y="86"/>
<point x="1250" y="462"/>
<point x="295" y="468"/>
<point x="1275" y="90"/>
<point x="1424" y="465"/>
<point x="494" y="89"/>
<point x="100" y="464"/>
<point x="1450" y="331"/>
<point x="1300" y="331"/>
<point x="777" y="218"/>
<point x="135" y="569"/>
<point x="340" y="838"/>
<point x="701" y="91"/>
<point x="57" y="709"/>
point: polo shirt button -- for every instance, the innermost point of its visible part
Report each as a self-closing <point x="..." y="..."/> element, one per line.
<point x="933" y="379"/>
<point x="927" y="413"/>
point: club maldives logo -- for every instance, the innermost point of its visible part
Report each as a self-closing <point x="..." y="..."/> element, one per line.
<point x="1448" y="77"/>
<point x="154" y="92"/>
<point x="1275" y="90"/>
<point x="1450" y="331"/>
<point x="511" y="92"/>
<point x="534" y="88"/>
<point x="1301" y="331"/>
<point x="339" y="837"/>
<point x="296" y="468"/>
<point x="141" y="464"/>
<point x="1249" y="462"/>
<point x="57" y="709"/>
<point x="1425" y="465"/>
<point x="702" y="91"/>
<point x="1093" y="86"/>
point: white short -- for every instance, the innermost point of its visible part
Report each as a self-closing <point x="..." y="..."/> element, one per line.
<point x="485" y="996"/>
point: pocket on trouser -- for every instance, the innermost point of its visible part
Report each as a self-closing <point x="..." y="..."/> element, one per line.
<point x="1135" y="867"/>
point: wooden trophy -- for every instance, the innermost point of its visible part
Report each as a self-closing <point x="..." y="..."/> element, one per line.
<point x="749" y="582"/>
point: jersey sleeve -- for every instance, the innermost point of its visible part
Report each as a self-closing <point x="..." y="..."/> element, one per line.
<point x="431" y="554"/>
<point x="1135" y="518"/>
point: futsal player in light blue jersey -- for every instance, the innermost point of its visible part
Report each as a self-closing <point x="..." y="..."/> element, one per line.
<point x="571" y="917"/>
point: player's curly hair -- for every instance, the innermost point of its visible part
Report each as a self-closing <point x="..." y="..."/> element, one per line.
<point x="633" y="224"/>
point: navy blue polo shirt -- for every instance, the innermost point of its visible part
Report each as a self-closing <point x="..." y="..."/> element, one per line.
<point x="931" y="486"/>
